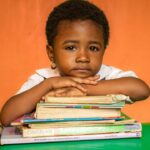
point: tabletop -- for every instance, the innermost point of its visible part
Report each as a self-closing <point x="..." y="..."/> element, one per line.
<point x="112" y="144"/>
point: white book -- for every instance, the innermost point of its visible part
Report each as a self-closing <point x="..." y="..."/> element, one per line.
<point x="9" y="136"/>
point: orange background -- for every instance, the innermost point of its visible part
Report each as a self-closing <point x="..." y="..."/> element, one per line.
<point x="22" y="42"/>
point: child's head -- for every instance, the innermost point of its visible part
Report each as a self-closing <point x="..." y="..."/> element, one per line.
<point x="77" y="34"/>
<point x="76" y="10"/>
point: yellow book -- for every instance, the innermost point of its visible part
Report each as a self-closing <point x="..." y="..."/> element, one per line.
<point x="46" y="113"/>
<point x="108" y="99"/>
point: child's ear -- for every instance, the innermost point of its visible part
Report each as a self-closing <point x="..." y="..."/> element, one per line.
<point x="50" y="52"/>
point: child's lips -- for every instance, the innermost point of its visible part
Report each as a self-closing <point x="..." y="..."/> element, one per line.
<point x="82" y="70"/>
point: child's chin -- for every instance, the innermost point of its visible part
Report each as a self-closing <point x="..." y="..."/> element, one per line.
<point x="81" y="75"/>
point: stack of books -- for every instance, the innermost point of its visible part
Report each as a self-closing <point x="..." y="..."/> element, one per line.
<point x="74" y="118"/>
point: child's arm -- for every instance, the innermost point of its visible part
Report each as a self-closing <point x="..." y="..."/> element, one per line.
<point x="25" y="102"/>
<point x="133" y="87"/>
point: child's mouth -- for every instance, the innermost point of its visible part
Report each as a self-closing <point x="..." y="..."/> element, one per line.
<point x="83" y="71"/>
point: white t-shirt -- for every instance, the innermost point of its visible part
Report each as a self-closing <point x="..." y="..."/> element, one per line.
<point x="105" y="72"/>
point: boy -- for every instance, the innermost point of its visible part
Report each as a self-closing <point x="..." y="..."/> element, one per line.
<point x="77" y="34"/>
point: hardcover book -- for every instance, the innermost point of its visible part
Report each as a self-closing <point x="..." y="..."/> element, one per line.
<point x="29" y="118"/>
<point x="84" y="106"/>
<point x="108" y="99"/>
<point x="45" y="113"/>
<point x="80" y="130"/>
<point x="10" y="135"/>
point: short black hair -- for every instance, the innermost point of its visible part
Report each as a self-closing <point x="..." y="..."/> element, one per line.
<point x="76" y="10"/>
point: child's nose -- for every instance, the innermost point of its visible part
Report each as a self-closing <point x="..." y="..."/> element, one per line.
<point x="82" y="56"/>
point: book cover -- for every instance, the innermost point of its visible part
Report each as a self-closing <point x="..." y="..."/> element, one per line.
<point x="80" y="123"/>
<point x="84" y="106"/>
<point x="29" y="118"/>
<point x="45" y="113"/>
<point x="70" y="124"/>
<point x="108" y="99"/>
<point x="11" y="136"/>
<point x="34" y="120"/>
<point x="18" y="121"/>
<point x="28" y="132"/>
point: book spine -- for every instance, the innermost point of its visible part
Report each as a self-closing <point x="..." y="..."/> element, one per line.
<point x="81" y="130"/>
<point x="85" y="106"/>
<point x="81" y="106"/>
<point x="71" y="138"/>
<point x="81" y="100"/>
<point x="88" y="99"/>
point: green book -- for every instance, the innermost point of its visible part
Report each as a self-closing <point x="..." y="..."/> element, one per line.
<point x="58" y="131"/>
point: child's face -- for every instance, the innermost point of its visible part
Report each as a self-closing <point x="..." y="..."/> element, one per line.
<point x="78" y="48"/>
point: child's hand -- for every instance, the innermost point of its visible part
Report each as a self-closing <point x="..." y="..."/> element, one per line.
<point x="61" y="82"/>
<point x="90" y="80"/>
<point x="70" y="86"/>
<point x="66" y="92"/>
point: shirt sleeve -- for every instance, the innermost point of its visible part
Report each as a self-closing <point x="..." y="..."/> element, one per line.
<point x="33" y="80"/>
<point x="106" y="72"/>
<point x="110" y="72"/>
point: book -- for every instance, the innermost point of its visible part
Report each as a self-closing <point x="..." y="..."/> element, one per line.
<point x="79" y="123"/>
<point x="80" y="130"/>
<point x="29" y="118"/>
<point x="69" y="124"/>
<point x="10" y="135"/>
<point x="108" y="99"/>
<point x="46" y="110"/>
<point x="84" y="106"/>
<point x="18" y="121"/>
<point x="34" y="120"/>
<point x="45" y="113"/>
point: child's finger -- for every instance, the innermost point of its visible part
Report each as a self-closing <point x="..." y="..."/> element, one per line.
<point x="61" y="90"/>
<point x="79" y="86"/>
<point x="43" y="97"/>
<point x="69" y="82"/>
<point x="85" y="80"/>
<point x="60" y="95"/>
<point x="51" y="93"/>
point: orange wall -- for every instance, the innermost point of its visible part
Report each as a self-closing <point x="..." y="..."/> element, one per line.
<point x="22" y="42"/>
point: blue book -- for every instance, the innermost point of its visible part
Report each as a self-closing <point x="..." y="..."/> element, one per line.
<point x="33" y="120"/>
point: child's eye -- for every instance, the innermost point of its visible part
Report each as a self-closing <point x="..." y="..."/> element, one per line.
<point x="71" y="48"/>
<point x="94" y="48"/>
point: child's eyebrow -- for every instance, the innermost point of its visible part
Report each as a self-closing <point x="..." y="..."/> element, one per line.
<point x="75" y="41"/>
<point x="95" y="42"/>
<point x="70" y="41"/>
